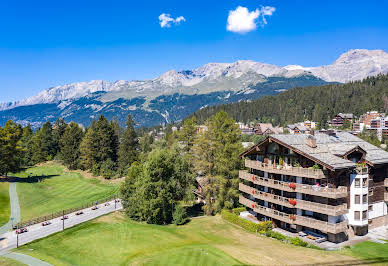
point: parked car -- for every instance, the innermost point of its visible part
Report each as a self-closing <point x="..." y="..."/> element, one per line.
<point x="65" y="217"/>
<point x="21" y="230"/>
<point x="79" y="213"/>
<point x="46" y="223"/>
<point x="94" y="208"/>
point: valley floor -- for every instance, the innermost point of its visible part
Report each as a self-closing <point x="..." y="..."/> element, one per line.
<point x="116" y="240"/>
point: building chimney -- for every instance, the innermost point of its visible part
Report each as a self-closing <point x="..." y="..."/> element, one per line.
<point x="311" y="141"/>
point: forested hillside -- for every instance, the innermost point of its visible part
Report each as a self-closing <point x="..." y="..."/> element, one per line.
<point x="317" y="103"/>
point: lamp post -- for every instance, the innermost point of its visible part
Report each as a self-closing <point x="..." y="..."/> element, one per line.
<point x="63" y="220"/>
<point x="17" y="237"/>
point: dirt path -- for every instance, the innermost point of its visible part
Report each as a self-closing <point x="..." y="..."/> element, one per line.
<point x="15" y="209"/>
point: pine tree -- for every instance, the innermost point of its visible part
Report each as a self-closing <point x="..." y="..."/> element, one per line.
<point x="129" y="146"/>
<point x="27" y="136"/>
<point x="11" y="151"/>
<point x="43" y="146"/>
<point x="70" y="145"/>
<point x="59" y="128"/>
<point x="86" y="150"/>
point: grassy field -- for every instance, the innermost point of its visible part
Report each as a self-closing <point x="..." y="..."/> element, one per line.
<point x="9" y="262"/>
<point x="4" y="203"/>
<point x="115" y="240"/>
<point x="370" y="252"/>
<point x="57" y="190"/>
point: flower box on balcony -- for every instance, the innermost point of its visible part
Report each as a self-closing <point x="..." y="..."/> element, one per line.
<point x="292" y="217"/>
<point x="292" y="185"/>
<point x="253" y="206"/>
<point x="253" y="191"/>
<point x="292" y="202"/>
<point x="253" y="178"/>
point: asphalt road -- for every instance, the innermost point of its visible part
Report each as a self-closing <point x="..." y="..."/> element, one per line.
<point x="9" y="239"/>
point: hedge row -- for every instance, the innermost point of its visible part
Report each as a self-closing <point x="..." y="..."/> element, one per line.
<point x="238" y="210"/>
<point x="247" y="225"/>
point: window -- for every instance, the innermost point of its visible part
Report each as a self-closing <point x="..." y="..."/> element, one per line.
<point x="371" y="192"/>
<point x="357" y="215"/>
<point x="370" y="208"/>
<point x="365" y="199"/>
<point x="365" y="182"/>
<point x="357" y="199"/>
<point x="356" y="182"/>
<point x="364" y="215"/>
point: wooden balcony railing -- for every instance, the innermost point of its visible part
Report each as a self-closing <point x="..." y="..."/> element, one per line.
<point x="286" y="170"/>
<point x="340" y="192"/>
<point x="385" y="196"/>
<point x="386" y="182"/>
<point x="295" y="219"/>
<point x="300" y="204"/>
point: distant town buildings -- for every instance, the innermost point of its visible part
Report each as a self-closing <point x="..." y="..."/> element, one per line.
<point x="372" y="121"/>
<point x="340" y="119"/>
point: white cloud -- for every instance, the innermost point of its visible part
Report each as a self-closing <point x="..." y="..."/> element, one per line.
<point x="165" y="20"/>
<point x="241" y="20"/>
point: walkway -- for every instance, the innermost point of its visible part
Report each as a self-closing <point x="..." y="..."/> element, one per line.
<point x="15" y="209"/>
<point x="28" y="260"/>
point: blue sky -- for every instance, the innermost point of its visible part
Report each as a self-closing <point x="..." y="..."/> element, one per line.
<point x="50" y="43"/>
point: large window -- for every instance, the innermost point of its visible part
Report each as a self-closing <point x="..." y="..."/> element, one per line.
<point x="356" y="182"/>
<point x="357" y="215"/>
<point x="365" y="182"/>
<point x="357" y="199"/>
<point x="365" y="199"/>
<point x="364" y="215"/>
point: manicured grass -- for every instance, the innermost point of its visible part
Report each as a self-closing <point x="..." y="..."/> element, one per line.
<point x="4" y="203"/>
<point x="9" y="262"/>
<point x="116" y="240"/>
<point x="58" y="190"/>
<point x="371" y="252"/>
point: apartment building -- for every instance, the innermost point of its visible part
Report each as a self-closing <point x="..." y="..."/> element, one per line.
<point x="340" y="119"/>
<point x="331" y="184"/>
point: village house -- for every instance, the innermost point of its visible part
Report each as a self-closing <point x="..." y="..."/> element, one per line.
<point x="267" y="129"/>
<point x="340" y="119"/>
<point x="330" y="185"/>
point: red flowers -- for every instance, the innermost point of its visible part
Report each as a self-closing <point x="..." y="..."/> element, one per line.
<point x="292" y="217"/>
<point x="292" y="185"/>
<point x="253" y="178"/>
<point x="253" y="191"/>
<point x="292" y="201"/>
<point x="253" y="206"/>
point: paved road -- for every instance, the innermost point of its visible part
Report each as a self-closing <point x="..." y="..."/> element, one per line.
<point x="15" y="209"/>
<point x="8" y="240"/>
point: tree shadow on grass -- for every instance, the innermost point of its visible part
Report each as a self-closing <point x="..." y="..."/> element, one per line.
<point x="31" y="179"/>
<point x="195" y="210"/>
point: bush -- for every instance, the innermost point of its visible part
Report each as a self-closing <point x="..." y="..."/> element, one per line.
<point x="275" y="235"/>
<point x="179" y="215"/>
<point x="296" y="241"/>
<point x="108" y="169"/>
<point x="238" y="210"/>
<point x="245" y="224"/>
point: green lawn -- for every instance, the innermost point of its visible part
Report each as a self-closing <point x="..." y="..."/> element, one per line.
<point x="116" y="240"/>
<point x="9" y="262"/>
<point x="60" y="190"/>
<point x="4" y="203"/>
<point x="371" y="252"/>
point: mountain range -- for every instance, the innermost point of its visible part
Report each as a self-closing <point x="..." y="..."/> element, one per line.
<point x="176" y="94"/>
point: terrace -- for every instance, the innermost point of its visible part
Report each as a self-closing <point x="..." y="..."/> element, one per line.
<point x="327" y="192"/>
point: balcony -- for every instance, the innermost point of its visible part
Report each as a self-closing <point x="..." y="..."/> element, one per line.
<point x="362" y="170"/>
<point x="295" y="219"/>
<point x="286" y="170"/>
<point x="386" y="182"/>
<point x="334" y="193"/>
<point x="386" y="196"/>
<point x="300" y="204"/>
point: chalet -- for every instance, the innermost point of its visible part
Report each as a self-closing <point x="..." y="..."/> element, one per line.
<point x="332" y="184"/>
<point x="298" y="128"/>
<point x="266" y="129"/>
<point x="340" y="119"/>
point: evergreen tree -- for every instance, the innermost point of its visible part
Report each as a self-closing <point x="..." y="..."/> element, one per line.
<point x="217" y="157"/>
<point x="188" y="132"/>
<point x="86" y="150"/>
<point x="43" y="146"/>
<point x="11" y="151"/>
<point x="129" y="146"/>
<point x="27" y="136"/>
<point x="59" y="128"/>
<point x="70" y="145"/>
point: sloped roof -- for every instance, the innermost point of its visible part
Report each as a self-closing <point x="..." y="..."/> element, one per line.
<point x="330" y="149"/>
